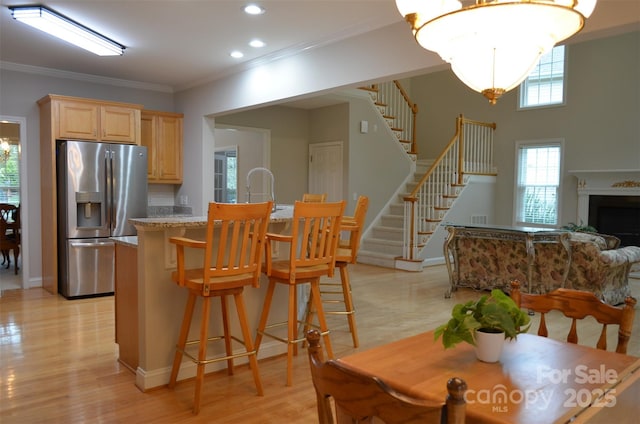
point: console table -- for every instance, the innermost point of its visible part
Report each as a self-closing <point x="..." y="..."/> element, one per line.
<point x="487" y="257"/>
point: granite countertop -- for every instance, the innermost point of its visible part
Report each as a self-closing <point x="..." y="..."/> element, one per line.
<point x="283" y="213"/>
<point x="131" y="241"/>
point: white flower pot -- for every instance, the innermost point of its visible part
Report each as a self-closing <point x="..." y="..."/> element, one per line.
<point x="489" y="345"/>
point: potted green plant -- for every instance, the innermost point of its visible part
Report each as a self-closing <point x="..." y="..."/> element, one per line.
<point x="582" y="228"/>
<point x="495" y="314"/>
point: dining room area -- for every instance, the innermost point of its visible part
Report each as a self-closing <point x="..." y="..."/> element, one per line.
<point x="10" y="243"/>
<point x="10" y="201"/>
<point x="60" y="359"/>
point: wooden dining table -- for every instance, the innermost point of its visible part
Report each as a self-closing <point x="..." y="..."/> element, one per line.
<point x="537" y="380"/>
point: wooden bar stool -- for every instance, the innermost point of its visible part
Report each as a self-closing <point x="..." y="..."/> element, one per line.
<point x="313" y="242"/>
<point x="314" y="197"/>
<point x="232" y="260"/>
<point x="340" y="293"/>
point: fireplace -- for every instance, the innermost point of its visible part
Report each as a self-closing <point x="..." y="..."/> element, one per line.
<point x="609" y="200"/>
<point x="618" y="216"/>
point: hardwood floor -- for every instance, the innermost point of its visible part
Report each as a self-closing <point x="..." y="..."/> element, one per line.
<point x="58" y="357"/>
<point x="8" y="278"/>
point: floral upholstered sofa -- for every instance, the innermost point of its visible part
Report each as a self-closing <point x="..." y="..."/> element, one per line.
<point x="598" y="265"/>
<point x="487" y="257"/>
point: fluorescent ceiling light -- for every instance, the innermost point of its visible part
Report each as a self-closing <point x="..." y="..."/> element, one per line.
<point x="66" y="29"/>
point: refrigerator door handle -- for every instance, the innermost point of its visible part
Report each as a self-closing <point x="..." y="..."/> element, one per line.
<point x="93" y="244"/>
<point x="108" y="161"/>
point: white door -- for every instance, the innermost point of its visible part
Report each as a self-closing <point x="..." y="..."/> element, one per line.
<point x="325" y="169"/>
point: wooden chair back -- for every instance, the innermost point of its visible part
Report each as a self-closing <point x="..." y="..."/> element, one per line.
<point x="314" y="197"/>
<point x="578" y="304"/>
<point x="8" y="240"/>
<point x="314" y="239"/>
<point x="9" y="228"/>
<point x="233" y="246"/>
<point x="348" y="248"/>
<point x="10" y="214"/>
<point x="359" y="397"/>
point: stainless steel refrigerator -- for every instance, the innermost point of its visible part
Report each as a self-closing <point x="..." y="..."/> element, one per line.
<point x="100" y="186"/>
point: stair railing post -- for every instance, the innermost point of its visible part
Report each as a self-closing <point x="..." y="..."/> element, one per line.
<point x="460" y="131"/>
<point x="414" y="139"/>
<point x="410" y="236"/>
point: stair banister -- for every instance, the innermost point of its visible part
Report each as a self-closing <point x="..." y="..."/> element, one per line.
<point x="399" y="111"/>
<point x="467" y="152"/>
<point x="414" y="115"/>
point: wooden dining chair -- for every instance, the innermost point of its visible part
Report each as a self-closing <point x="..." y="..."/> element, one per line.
<point x="340" y="293"/>
<point x="10" y="235"/>
<point x="233" y="251"/>
<point x="312" y="255"/>
<point x="578" y="304"/>
<point x="359" y="397"/>
<point x="314" y="197"/>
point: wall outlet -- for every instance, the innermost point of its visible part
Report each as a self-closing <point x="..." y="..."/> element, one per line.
<point x="184" y="200"/>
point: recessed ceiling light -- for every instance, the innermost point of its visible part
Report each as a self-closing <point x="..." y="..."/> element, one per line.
<point x="256" y="43"/>
<point x="253" y="9"/>
<point x="236" y="54"/>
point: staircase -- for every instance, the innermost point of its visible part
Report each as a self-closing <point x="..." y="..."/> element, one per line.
<point x="398" y="111"/>
<point x="399" y="235"/>
<point x="384" y="241"/>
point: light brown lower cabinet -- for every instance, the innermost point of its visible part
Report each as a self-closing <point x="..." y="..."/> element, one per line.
<point x="126" y="308"/>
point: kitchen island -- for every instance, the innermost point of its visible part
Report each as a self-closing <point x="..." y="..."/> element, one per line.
<point x="161" y="302"/>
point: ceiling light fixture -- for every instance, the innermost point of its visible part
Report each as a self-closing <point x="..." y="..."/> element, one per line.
<point x="493" y="45"/>
<point x="256" y="43"/>
<point x="6" y="149"/>
<point x="253" y="9"/>
<point x="237" y="54"/>
<point x="72" y="32"/>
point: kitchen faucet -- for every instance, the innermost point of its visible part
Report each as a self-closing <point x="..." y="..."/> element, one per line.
<point x="273" y="196"/>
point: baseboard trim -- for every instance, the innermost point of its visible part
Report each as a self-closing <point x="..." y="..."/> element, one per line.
<point x="152" y="379"/>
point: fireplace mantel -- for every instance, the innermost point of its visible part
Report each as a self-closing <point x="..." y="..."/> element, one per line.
<point x="619" y="182"/>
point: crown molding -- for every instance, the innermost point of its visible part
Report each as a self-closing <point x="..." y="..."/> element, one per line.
<point x="96" y="79"/>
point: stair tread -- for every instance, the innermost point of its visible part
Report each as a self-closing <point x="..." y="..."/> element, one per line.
<point x="364" y="252"/>
<point x="387" y="228"/>
<point x="376" y="240"/>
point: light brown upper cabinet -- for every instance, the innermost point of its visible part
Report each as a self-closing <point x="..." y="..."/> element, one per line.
<point x="73" y="118"/>
<point x="93" y="120"/>
<point x="161" y="133"/>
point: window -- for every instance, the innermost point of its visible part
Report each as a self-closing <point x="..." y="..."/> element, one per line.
<point x="545" y="84"/>
<point x="10" y="173"/>
<point x="226" y="176"/>
<point x="538" y="183"/>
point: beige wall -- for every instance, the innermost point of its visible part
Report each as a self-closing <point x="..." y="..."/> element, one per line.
<point x="19" y="92"/>
<point x="599" y="122"/>
<point x="289" y="129"/>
